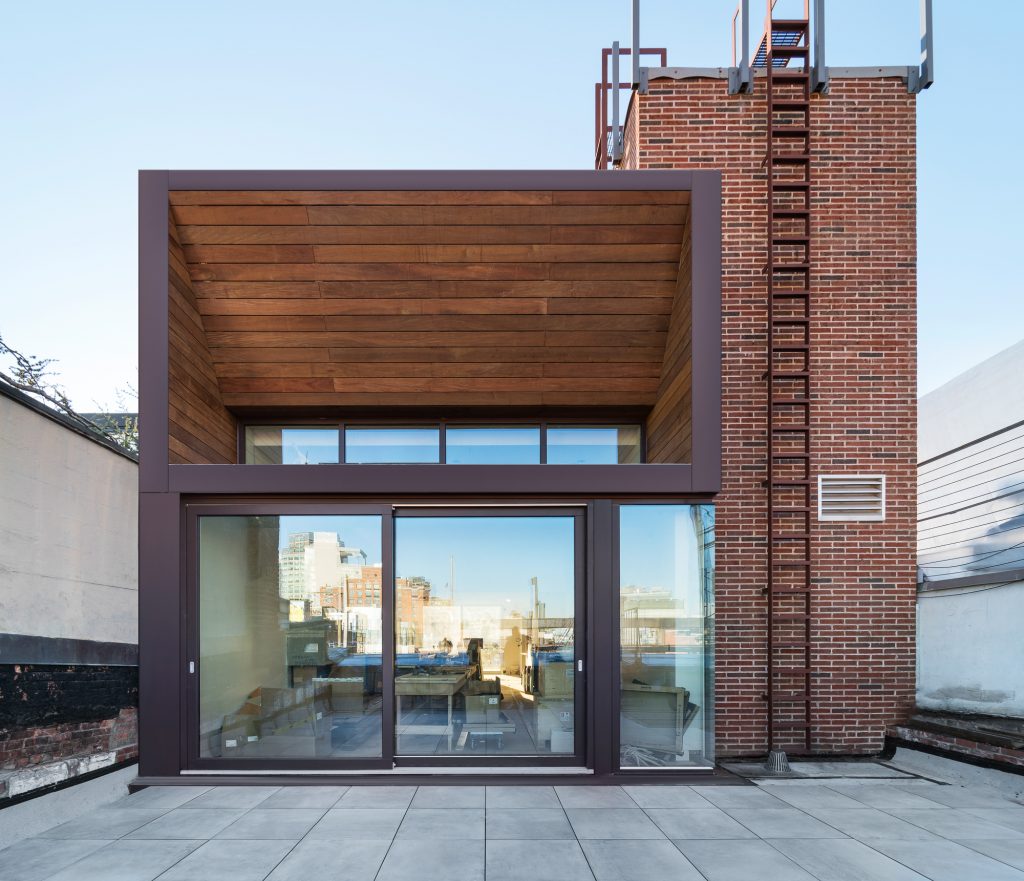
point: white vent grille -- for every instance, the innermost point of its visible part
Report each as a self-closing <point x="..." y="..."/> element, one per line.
<point x="851" y="497"/>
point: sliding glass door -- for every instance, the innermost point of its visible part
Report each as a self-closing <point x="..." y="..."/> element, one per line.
<point x="488" y="624"/>
<point x="290" y="659"/>
<point x="366" y="636"/>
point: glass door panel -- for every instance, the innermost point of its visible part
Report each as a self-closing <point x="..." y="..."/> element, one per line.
<point x="290" y="636"/>
<point x="486" y="635"/>
<point x="666" y="631"/>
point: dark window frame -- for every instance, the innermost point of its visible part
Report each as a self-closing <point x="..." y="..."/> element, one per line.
<point x="442" y="423"/>
<point x="588" y="742"/>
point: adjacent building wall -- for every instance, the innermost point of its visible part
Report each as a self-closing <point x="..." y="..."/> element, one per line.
<point x="68" y="599"/>
<point x="970" y="534"/>
<point x="863" y="383"/>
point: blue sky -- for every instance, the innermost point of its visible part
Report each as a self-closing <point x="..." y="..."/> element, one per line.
<point x="95" y="91"/>
<point x="495" y="558"/>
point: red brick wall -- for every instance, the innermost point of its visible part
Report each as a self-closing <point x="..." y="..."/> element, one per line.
<point x="959" y="747"/>
<point x="40" y="746"/>
<point x="863" y="365"/>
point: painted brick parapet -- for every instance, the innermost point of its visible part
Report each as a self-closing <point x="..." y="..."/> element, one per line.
<point x="61" y="721"/>
<point x="863" y="368"/>
<point x="960" y="747"/>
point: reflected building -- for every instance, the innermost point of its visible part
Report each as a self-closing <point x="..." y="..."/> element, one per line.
<point x="312" y="561"/>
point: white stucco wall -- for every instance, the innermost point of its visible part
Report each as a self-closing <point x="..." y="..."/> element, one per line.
<point x="970" y="651"/>
<point x="68" y="532"/>
<point x="981" y="400"/>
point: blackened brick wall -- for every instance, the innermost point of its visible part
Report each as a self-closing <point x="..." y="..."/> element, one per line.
<point x="51" y="712"/>
<point x="863" y="364"/>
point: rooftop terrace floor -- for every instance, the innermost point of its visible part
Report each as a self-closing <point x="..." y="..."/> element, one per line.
<point x="875" y="827"/>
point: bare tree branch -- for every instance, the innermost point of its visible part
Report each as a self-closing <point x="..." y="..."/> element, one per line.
<point x="32" y="375"/>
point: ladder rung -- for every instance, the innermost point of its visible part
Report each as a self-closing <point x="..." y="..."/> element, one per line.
<point x="791" y="293"/>
<point x="791" y="74"/>
<point x="789" y="212"/>
<point x="781" y="483"/>
<point x="789" y="51"/>
<point x="784" y="428"/>
<point x="799" y="510"/>
<point x="800" y="563"/>
<point x="791" y="698"/>
<point x="792" y="401"/>
<point x="791" y="347"/>
<point x="790" y="320"/>
<point x="791" y="240"/>
<point x="791" y="158"/>
<point x="790" y="132"/>
<point x="788" y="25"/>
<point x="790" y="374"/>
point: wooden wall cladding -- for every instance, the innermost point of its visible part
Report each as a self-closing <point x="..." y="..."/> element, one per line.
<point x="670" y="422"/>
<point x="434" y="298"/>
<point x="201" y="431"/>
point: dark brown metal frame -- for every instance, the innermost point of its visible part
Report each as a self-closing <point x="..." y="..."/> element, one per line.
<point x="703" y="475"/>
<point x="166" y="488"/>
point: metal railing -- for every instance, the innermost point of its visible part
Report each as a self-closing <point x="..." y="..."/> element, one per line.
<point x="608" y="135"/>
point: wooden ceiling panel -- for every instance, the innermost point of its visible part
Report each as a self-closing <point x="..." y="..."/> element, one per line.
<point x="428" y="198"/>
<point x="526" y="234"/>
<point x="525" y="298"/>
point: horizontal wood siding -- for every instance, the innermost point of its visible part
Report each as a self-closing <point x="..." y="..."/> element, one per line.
<point x="462" y="298"/>
<point x="670" y="422"/>
<point x="201" y="430"/>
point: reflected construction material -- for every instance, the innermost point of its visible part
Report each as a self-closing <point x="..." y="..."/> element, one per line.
<point x="428" y="685"/>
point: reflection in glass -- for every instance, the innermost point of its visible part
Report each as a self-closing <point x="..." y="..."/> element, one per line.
<point x="290" y="636"/>
<point x="492" y="446"/>
<point x="290" y="445"/>
<point x="386" y="446"/>
<point x="485" y="636"/>
<point x="666" y="626"/>
<point x="594" y="445"/>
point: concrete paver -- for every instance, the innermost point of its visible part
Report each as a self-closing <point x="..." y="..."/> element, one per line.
<point x="821" y="830"/>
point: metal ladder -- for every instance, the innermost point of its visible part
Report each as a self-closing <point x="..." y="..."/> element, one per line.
<point x="788" y="165"/>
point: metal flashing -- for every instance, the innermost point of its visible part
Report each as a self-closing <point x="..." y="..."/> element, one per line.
<point x="20" y="648"/>
<point x="37" y="406"/>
